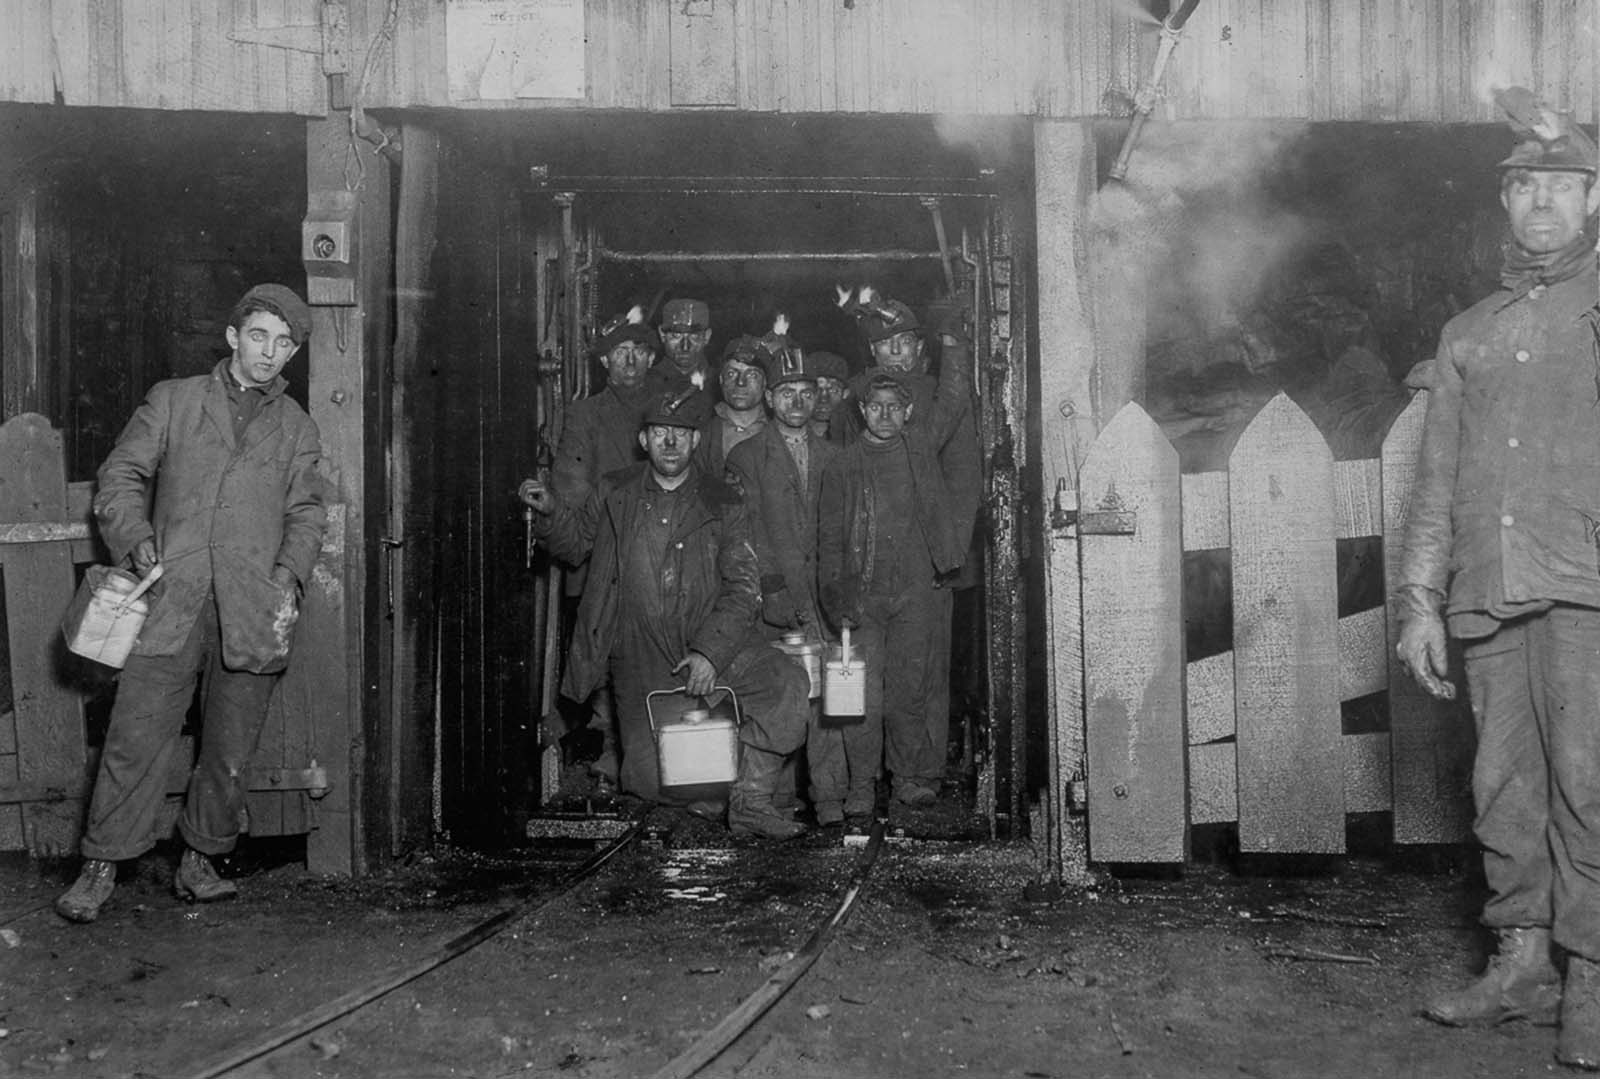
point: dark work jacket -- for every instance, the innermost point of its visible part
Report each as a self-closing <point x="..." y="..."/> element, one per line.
<point x="847" y="529"/>
<point x="1505" y="507"/>
<point x="782" y="505"/>
<point x="710" y="580"/>
<point x="224" y="513"/>
<point x="601" y="435"/>
<point x="959" y="456"/>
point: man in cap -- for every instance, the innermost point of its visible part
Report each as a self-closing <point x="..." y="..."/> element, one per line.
<point x="601" y="435"/>
<point x="685" y="334"/>
<point x="214" y="480"/>
<point x="779" y="470"/>
<point x="742" y="411"/>
<point x="833" y="387"/>
<point x="886" y="536"/>
<point x="1502" y="551"/>
<point x="895" y="337"/>
<point x="672" y="602"/>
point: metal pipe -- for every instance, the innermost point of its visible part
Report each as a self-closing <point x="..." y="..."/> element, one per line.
<point x="932" y="206"/>
<point x="608" y="255"/>
<point x="887" y="186"/>
<point x="1144" y="101"/>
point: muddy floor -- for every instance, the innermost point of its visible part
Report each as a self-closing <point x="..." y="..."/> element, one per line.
<point x="954" y="960"/>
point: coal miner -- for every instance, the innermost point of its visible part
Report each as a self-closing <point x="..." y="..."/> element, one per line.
<point x="672" y="598"/>
<point x="1502" y="552"/>
<point x="833" y="390"/>
<point x="601" y="435"/>
<point x="779" y="472"/>
<point x="895" y="338"/>
<point x="742" y="411"/>
<point x="887" y="533"/>
<point x="214" y="478"/>
<point x="685" y="334"/>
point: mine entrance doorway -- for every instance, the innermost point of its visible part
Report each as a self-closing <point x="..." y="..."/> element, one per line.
<point x="775" y="217"/>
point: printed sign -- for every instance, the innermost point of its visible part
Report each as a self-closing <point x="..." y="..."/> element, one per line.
<point x="500" y="50"/>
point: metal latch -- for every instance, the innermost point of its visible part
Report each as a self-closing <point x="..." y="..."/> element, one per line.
<point x="1110" y="518"/>
<point x="312" y="779"/>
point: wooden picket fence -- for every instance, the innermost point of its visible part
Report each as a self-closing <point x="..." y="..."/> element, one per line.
<point x="1253" y="735"/>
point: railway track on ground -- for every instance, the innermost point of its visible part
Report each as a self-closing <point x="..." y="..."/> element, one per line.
<point x="717" y="1040"/>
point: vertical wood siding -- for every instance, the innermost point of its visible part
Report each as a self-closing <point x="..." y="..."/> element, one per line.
<point x="158" y="54"/>
<point x="1367" y="60"/>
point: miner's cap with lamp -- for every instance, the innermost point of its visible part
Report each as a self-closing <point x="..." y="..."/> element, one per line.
<point x="1548" y="140"/>
<point x="688" y="408"/>
<point x="745" y="348"/>
<point x="685" y="316"/>
<point x="781" y="357"/>
<point x="626" y="327"/>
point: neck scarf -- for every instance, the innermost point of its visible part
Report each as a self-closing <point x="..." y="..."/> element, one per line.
<point x="1522" y="272"/>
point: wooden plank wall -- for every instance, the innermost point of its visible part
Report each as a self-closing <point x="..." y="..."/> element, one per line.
<point x="1379" y="60"/>
<point x="159" y="54"/>
<point x="1260" y="725"/>
<point x="1310" y="59"/>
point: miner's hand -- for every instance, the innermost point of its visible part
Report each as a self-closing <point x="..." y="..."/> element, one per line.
<point x="702" y="676"/>
<point x="143" y="556"/>
<point x="1423" y="652"/>
<point x="534" y="493"/>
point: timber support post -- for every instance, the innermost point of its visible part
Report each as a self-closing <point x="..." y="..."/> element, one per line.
<point x="1064" y="177"/>
<point x="338" y="643"/>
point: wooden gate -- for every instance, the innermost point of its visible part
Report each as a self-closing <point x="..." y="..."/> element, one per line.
<point x="1256" y="734"/>
<point x="46" y="762"/>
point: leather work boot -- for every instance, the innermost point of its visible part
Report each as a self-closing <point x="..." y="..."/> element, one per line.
<point x="1520" y="982"/>
<point x="750" y="808"/>
<point x="1578" y="1044"/>
<point x="196" y="879"/>
<point x="95" y="883"/>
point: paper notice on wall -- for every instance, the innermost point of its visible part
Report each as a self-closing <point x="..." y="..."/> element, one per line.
<point x="504" y="49"/>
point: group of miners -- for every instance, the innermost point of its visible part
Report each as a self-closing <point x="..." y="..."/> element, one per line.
<point x="710" y="510"/>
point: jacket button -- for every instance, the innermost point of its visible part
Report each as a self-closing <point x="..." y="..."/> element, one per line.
<point x="1513" y="443"/>
<point x="1523" y="356"/>
<point x="1508" y="520"/>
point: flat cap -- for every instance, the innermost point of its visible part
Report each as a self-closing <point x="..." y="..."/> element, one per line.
<point x="277" y="300"/>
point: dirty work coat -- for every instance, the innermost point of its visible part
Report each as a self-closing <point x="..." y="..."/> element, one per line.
<point x="601" y="435"/>
<point x="710" y="582"/>
<point x="783" y="521"/>
<point x="847" y="529"/>
<point x="1505" y="508"/>
<point x="223" y="515"/>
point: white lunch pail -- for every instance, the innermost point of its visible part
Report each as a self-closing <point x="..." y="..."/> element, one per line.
<point x="107" y="613"/>
<point x="844" y="683"/>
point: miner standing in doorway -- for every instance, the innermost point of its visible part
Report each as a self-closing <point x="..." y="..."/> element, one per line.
<point x="779" y="472"/>
<point x="742" y="412"/>
<point x="899" y="349"/>
<point x="601" y="435"/>
<point x="685" y="334"/>
<point x="236" y="523"/>
<point x="1502" y="551"/>
<point x="887" y="533"/>
<point x="672" y="601"/>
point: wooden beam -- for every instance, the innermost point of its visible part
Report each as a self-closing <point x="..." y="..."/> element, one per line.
<point x="22" y="374"/>
<point x="337" y="642"/>
<point x="1064" y="170"/>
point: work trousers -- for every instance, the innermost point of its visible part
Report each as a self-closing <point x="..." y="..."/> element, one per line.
<point x="772" y="694"/>
<point x="153" y="697"/>
<point x="1535" y="689"/>
<point x="844" y="754"/>
<point x="906" y="635"/>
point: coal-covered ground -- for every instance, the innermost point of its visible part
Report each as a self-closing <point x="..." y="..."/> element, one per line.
<point x="957" y="960"/>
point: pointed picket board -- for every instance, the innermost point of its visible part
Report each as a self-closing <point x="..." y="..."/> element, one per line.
<point x="1133" y="645"/>
<point x="1432" y="742"/>
<point x="1285" y="634"/>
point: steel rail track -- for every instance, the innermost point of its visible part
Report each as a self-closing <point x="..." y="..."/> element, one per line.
<point x="690" y="1062"/>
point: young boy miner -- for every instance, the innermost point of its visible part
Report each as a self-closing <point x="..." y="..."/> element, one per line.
<point x="886" y="532"/>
